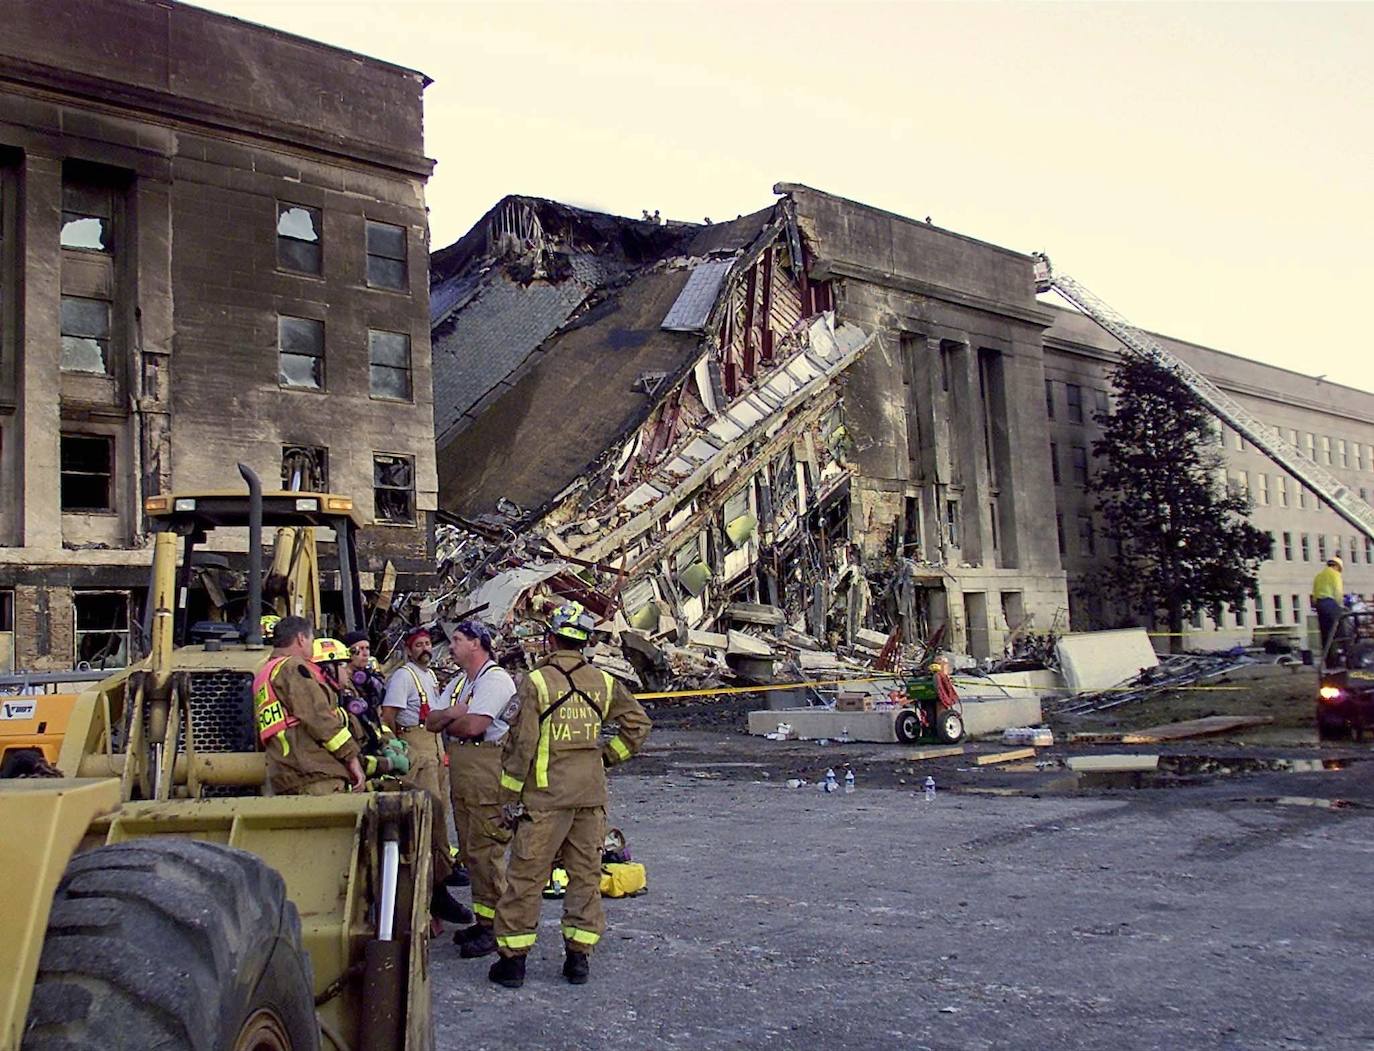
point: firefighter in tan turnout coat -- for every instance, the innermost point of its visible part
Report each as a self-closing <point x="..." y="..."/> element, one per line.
<point x="553" y="783"/>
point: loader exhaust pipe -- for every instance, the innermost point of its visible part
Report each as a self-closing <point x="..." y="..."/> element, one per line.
<point x="252" y="629"/>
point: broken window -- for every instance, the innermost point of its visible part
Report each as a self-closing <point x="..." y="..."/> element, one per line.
<point x="87" y="216"/>
<point x="689" y="567"/>
<point x="1078" y="458"/>
<point x="1074" y="396"/>
<point x="101" y="628"/>
<point x="301" y="344"/>
<point x="6" y="631"/>
<point x="299" y="238"/>
<point x="386" y="257"/>
<point x="1049" y="398"/>
<point x="87" y="472"/>
<point x="952" y="523"/>
<point x="85" y="334"/>
<point x="737" y="519"/>
<point x="389" y="358"/>
<point x="393" y="488"/>
<point x="305" y="468"/>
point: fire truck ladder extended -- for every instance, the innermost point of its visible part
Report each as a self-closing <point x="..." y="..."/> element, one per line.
<point x="1264" y="438"/>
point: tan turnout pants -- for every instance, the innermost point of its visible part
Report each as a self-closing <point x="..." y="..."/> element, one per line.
<point x="428" y="774"/>
<point x="474" y="772"/>
<point x="321" y="788"/>
<point x="577" y="836"/>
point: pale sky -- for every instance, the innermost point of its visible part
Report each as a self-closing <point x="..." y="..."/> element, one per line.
<point x="1204" y="168"/>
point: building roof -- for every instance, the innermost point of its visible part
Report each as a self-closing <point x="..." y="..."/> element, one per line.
<point x="542" y="430"/>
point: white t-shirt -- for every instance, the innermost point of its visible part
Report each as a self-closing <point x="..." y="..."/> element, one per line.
<point x="404" y="688"/>
<point x="491" y="693"/>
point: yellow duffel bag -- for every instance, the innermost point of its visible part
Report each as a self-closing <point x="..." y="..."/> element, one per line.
<point x="623" y="879"/>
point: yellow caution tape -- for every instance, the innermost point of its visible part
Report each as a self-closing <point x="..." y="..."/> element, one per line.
<point x="722" y="690"/>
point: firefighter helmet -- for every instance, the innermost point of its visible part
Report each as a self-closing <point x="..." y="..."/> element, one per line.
<point x="328" y="650"/>
<point x="571" y="621"/>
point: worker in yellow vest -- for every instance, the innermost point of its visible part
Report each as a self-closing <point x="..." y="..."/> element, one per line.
<point x="1328" y="594"/>
<point x="309" y="745"/>
<point x="553" y="793"/>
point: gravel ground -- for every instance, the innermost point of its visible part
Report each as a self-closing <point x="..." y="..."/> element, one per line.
<point x="1004" y="914"/>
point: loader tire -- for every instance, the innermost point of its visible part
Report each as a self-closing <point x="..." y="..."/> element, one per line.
<point x="172" y="945"/>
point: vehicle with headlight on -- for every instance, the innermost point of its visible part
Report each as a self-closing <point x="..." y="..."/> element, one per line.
<point x="1345" y="691"/>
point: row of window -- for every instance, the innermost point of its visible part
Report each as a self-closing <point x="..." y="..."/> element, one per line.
<point x="1074" y="401"/>
<point x="89" y="237"/>
<point x="1337" y="547"/>
<point x="1283" y="609"/>
<point x="1078" y="464"/>
<point x="301" y="358"/>
<point x="1274" y="491"/>
<point x="1319" y="448"/>
<point x="100" y="629"/>
<point x="88" y="473"/>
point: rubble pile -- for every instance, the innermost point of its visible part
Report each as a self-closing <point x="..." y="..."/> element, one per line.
<point x="1172" y="672"/>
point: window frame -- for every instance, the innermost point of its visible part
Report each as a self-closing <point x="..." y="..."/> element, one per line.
<point x="376" y="485"/>
<point x="111" y="496"/>
<point x="283" y="353"/>
<point x="1073" y="401"/>
<point x="79" y="633"/>
<point x="408" y="371"/>
<point x="103" y="343"/>
<point x="369" y="255"/>
<point x="317" y="216"/>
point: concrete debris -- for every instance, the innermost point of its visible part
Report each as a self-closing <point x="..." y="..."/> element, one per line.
<point x="1174" y="671"/>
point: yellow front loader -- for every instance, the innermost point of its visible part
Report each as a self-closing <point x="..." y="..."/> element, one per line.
<point x="156" y="898"/>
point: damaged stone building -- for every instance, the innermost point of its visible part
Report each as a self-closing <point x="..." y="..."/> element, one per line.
<point x="863" y="419"/>
<point x="213" y="249"/>
<point x="759" y="411"/>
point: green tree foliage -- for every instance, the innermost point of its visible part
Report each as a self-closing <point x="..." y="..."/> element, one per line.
<point x="1186" y="545"/>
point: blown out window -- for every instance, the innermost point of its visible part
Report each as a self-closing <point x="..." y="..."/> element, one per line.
<point x="298" y="238"/>
<point x="87" y="472"/>
<point x="393" y="488"/>
<point x="101" y="628"/>
<point x="301" y="343"/>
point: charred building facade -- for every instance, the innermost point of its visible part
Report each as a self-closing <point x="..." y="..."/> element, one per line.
<point x="213" y="248"/>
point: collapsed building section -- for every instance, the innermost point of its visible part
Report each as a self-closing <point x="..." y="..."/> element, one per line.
<point x="763" y="422"/>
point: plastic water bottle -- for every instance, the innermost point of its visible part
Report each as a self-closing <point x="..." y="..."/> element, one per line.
<point x="844" y="735"/>
<point x="831" y="785"/>
<point x="848" y="782"/>
<point x="930" y="789"/>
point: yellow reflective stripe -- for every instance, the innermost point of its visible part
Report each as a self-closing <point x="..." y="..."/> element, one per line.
<point x="541" y="758"/>
<point x="509" y="782"/>
<point x="610" y="689"/>
<point x="576" y="934"/>
<point x="620" y="748"/>
<point x="485" y="911"/>
<point x="515" y="941"/>
<point x="338" y="740"/>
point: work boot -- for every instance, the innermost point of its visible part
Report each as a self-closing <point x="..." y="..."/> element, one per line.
<point x="442" y="905"/>
<point x="483" y="943"/>
<point x="463" y="934"/>
<point x="458" y="877"/>
<point x="577" y="967"/>
<point x="508" y="971"/>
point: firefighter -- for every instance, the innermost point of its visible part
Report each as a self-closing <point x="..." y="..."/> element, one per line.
<point x="310" y="749"/>
<point x="479" y="706"/>
<point x="384" y="755"/>
<point x="553" y="782"/>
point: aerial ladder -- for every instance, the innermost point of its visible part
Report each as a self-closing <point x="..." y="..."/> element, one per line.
<point x="1266" y="439"/>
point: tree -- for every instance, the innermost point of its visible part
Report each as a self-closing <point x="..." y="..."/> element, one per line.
<point x="1186" y="545"/>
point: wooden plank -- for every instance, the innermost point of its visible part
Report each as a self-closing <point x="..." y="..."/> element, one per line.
<point x="1094" y="738"/>
<point x="922" y="754"/>
<point x="1004" y="757"/>
<point x="1213" y="724"/>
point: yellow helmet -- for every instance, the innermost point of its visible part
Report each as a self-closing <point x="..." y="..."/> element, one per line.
<point x="572" y="622"/>
<point x="328" y="650"/>
<point x="269" y="624"/>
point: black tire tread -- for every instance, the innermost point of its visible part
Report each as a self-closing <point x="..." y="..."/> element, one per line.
<point x="152" y="943"/>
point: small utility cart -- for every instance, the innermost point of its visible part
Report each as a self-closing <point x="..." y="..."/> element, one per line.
<point x="930" y="709"/>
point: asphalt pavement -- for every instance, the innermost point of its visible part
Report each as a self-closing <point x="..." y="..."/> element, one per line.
<point x="1227" y="911"/>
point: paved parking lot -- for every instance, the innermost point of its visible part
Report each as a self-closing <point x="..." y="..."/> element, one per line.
<point x="786" y="918"/>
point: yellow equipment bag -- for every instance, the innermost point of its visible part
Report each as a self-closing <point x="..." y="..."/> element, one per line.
<point x="623" y="879"/>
